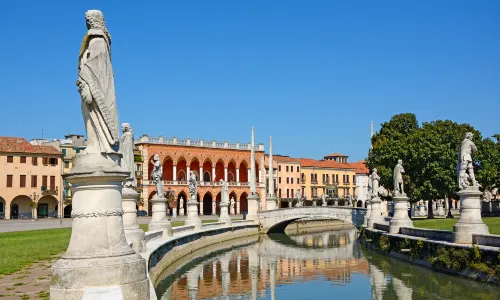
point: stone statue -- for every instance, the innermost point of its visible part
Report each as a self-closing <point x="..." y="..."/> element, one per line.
<point x="467" y="149"/>
<point x="127" y="150"/>
<point x="232" y="204"/>
<point x="157" y="176"/>
<point x="181" y="203"/>
<point x="97" y="88"/>
<point x="487" y="196"/>
<point x="494" y="193"/>
<point x="323" y="198"/>
<point x="398" y="179"/>
<point x="224" y="192"/>
<point x="373" y="184"/>
<point x="193" y="186"/>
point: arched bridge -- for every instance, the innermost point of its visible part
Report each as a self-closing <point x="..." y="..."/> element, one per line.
<point x="276" y="220"/>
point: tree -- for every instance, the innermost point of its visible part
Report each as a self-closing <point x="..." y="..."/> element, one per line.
<point x="487" y="164"/>
<point x="389" y="145"/>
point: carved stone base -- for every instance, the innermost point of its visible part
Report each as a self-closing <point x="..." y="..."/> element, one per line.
<point x="133" y="233"/>
<point x="98" y="254"/>
<point x="271" y="202"/>
<point x="470" y="221"/>
<point x="159" y="219"/>
<point x="253" y="207"/>
<point x="376" y="213"/>
<point x="192" y="215"/>
<point x="368" y="213"/>
<point x="400" y="218"/>
<point x="224" y="214"/>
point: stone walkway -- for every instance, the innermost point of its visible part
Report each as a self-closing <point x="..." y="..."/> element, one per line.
<point x="32" y="282"/>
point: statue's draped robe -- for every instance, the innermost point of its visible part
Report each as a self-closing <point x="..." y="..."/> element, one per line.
<point x="398" y="177"/>
<point x="127" y="150"/>
<point x="156" y="176"/>
<point x="100" y="116"/>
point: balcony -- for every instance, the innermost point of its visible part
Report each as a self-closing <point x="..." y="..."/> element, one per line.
<point x="53" y="191"/>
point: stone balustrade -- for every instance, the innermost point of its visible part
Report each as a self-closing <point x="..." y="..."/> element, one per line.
<point x="183" y="229"/>
<point x="145" y="139"/>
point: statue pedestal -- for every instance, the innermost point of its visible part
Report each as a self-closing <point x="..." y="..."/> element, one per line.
<point x="159" y="219"/>
<point x="224" y="214"/>
<point x="400" y="218"/>
<point x="323" y="203"/>
<point x="440" y="210"/>
<point x="253" y="207"/>
<point x="368" y="213"/>
<point x="271" y="202"/>
<point x="192" y="215"/>
<point x="98" y="255"/>
<point x="470" y="216"/>
<point x="421" y="210"/>
<point x="376" y="213"/>
<point x="133" y="233"/>
<point x="181" y="211"/>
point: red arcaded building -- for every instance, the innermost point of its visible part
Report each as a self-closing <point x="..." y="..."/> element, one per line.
<point x="211" y="161"/>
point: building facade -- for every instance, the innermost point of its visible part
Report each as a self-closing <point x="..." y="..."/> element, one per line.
<point x="288" y="178"/>
<point x="210" y="161"/>
<point x="30" y="180"/>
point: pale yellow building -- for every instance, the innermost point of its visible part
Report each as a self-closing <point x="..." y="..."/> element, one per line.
<point x="30" y="179"/>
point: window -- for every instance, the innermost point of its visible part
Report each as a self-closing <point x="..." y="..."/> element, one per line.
<point x="33" y="181"/>
<point x="34" y="161"/>
<point x="287" y="193"/>
<point x="279" y="179"/>
<point x="66" y="164"/>
<point x="53" y="161"/>
<point x="63" y="152"/>
<point x="298" y="180"/>
<point x="22" y="181"/>
<point x="287" y="168"/>
<point x="52" y="182"/>
<point x="45" y="161"/>
<point x="303" y="177"/>
<point x="312" y="177"/>
<point x="279" y="192"/>
<point x="298" y="170"/>
<point x="287" y="180"/>
<point x="291" y="180"/>
<point x="22" y="159"/>
<point x="44" y="181"/>
<point x="353" y="178"/>
<point x="9" y="180"/>
<point x="279" y="168"/>
<point x="10" y="159"/>
<point x="337" y="178"/>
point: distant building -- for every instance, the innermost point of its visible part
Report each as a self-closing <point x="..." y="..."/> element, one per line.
<point x="30" y="179"/>
<point x="288" y="178"/>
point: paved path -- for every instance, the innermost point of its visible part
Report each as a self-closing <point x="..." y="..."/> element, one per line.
<point x="22" y="225"/>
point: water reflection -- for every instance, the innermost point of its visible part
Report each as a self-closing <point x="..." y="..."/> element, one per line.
<point x="306" y="265"/>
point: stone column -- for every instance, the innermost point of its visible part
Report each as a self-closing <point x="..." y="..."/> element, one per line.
<point x="224" y="208"/>
<point x="98" y="255"/>
<point x="201" y="207"/>
<point x="375" y="214"/>
<point x="159" y="219"/>
<point x="214" y="207"/>
<point x="272" y="278"/>
<point x="188" y="173"/>
<point x="470" y="221"/>
<point x="192" y="213"/>
<point x="175" y="172"/>
<point x="271" y="199"/>
<point x="238" y="175"/>
<point x="133" y="233"/>
<point x="213" y="174"/>
<point x="238" y="207"/>
<point x="249" y="175"/>
<point x="225" y="173"/>
<point x="253" y="198"/>
<point x="201" y="173"/>
<point x="400" y="218"/>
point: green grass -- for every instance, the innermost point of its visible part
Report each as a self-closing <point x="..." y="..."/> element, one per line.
<point x="22" y="248"/>
<point x="447" y="224"/>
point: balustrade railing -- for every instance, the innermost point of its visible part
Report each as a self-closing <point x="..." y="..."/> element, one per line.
<point x="196" y="143"/>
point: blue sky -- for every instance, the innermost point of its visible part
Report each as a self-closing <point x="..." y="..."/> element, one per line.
<point x="312" y="74"/>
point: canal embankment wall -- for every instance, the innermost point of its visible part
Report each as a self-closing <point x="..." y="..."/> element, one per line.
<point x="434" y="249"/>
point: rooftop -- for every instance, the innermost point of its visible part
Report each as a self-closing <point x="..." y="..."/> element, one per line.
<point x="145" y="139"/>
<point x="20" y="145"/>
<point x="337" y="155"/>
<point x="360" y="167"/>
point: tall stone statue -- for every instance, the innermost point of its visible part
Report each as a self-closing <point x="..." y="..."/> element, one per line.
<point x="193" y="186"/>
<point x="373" y="184"/>
<point x="127" y="150"/>
<point x="465" y="167"/>
<point x="398" y="179"/>
<point x="232" y="204"/>
<point x="224" y="192"/>
<point x="97" y="88"/>
<point x="157" y="176"/>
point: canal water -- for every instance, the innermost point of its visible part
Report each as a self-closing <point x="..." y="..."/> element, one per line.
<point x="308" y="264"/>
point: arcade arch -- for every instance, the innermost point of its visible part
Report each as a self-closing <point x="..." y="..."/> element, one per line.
<point x="207" y="203"/>
<point x="244" y="202"/>
<point x="20" y="207"/>
<point x="47" y="207"/>
<point x="168" y="169"/>
<point x="181" y="169"/>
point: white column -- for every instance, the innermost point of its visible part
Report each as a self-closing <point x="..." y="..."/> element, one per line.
<point x="213" y="174"/>
<point x="237" y="175"/>
<point x="225" y="173"/>
<point x="271" y="197"/>
<point x="188" y="173"/>
<point x="226" y="276"/>
<point x="238" y="207"/>
<point x="201" y="174"/>
<point x="249" y="175"/>
<point x="133" y="233"/>
<point x="175" y="173"/>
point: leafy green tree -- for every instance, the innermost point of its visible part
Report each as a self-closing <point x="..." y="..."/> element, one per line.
<point x="487" y="164"/>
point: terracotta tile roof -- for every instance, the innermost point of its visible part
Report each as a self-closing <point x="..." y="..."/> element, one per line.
<point x="281" y="158"/>
<point x="20" y="145"/>
<point x="360" y="167"/>
<point x="309" y="162"/>
<point x="337" y="154"/>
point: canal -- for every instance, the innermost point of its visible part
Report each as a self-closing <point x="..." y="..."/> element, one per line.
<point x="316" y="263"/>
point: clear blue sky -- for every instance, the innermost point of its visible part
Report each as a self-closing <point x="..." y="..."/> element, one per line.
<point x="312" y="74"/>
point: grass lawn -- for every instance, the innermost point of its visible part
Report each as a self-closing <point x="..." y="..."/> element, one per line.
<point x="22" y="248"/>
<point x="447" y="224"/>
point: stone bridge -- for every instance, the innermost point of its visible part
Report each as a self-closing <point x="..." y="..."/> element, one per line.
<point x="276" y="220"/>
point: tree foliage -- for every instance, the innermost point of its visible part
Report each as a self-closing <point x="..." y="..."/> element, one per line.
<point x="430" y="156"/>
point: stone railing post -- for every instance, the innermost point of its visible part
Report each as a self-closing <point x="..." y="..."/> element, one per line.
<point x="159" y="219"/>
<point x="133" y="233"/>
<point x="400" y="218"/>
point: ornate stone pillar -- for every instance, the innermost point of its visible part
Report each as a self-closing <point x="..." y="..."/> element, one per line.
<point x="470" y="221"/>
<point x="400" y="218"/>
<point x="253" y="198"/>
<point x="375" y="214"/>
<point x="271" y="198"/>
<point x="133" y="233"/>
<point x="238" y="175"/>
<point x="192" y="213"/>
<point x="253" y="264"/>
<point x="213" y="174"/>
<point x="98" y="255"/>
<point x="159" y="219"/>
<point x="175" y="171"/>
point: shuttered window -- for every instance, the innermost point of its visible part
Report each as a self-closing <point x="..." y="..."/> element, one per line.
<point x="9" y="180"/>
<point x="22" y="181"/>
<point x="33" y="181"/>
